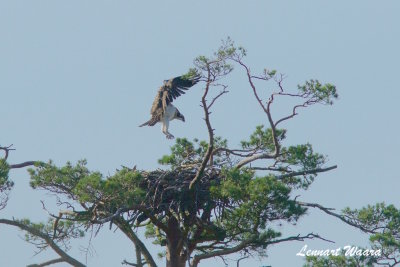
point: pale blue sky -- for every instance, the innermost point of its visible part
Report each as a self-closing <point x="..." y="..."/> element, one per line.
<point x="77" y="77"/>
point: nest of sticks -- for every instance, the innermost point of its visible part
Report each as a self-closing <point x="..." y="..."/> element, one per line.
<point x="169" y="190"/>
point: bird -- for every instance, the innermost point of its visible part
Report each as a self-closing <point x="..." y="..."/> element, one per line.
<point x="162" y="109"/>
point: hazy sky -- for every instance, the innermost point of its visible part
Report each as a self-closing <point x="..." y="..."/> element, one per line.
<point x="78" y="77"/>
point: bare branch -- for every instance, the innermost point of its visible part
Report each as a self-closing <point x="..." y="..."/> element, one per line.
<point x="125" y="262"/>
<point x="270" y="169"/>
<point x="23" y="164"/>
<point x="294" y="113"/>
<point x="242" y="258"/>
<point x="267" y="111"/>
<point x="246" y="243"/>
<point x="224" y="91"/>
<point x="341" y="217"/>
<point x="6" y="150"/>
<point x="47" y="263"/>
<point x="216" y="253"/>
<point x="127" y="230"/>
<point x="299" y="238"/>
<point x="254" y="158"/>
<point x="237" y="152"/>
<point x="313" y="171"/>
<point x="210" y="148"/>
<point x="46" y="238"/>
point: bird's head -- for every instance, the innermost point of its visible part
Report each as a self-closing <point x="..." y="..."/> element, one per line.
<point x="179" y="116"/>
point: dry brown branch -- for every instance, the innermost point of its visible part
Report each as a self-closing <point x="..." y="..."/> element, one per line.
<point x="210" y="132"/>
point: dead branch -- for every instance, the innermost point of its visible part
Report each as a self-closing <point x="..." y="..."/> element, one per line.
<point x="6" y="150"/>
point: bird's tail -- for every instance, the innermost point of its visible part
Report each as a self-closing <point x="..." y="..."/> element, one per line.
<point x="146" y="123"/>
<point x="150" y="122"/>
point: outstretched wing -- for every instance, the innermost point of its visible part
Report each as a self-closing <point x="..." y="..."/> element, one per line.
<point x="171" y="89"/>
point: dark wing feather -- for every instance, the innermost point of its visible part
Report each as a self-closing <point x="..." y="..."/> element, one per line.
<point x="183" y="82"/>
<point x="171" y="89"/>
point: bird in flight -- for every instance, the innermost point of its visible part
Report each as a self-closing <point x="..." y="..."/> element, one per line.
<point x="162" y="110"/>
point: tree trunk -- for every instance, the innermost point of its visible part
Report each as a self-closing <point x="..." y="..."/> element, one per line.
<point x="174" y="259"/>
<point x="175" y="254"/>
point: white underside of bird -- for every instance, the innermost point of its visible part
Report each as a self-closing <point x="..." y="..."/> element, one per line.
<point x="169" y="115"/>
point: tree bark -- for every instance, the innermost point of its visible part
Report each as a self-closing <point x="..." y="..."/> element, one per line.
<point x="175" y="255"/>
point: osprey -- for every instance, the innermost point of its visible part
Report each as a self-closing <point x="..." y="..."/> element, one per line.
<point x="162" y="110"/>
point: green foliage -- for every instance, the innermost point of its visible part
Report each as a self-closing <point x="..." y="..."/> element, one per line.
<point x="193" y="72"/>
<point x="383" y="223"/>
<point x="251" y="203"/>
<point x="233" y="184"/>
<point x="236" y="205"/>
<point x="186" y="153"/>
<point x="5" y="184"/>
<point x="262" y="139"/>
<point x="156" y="234"/>
<point x="319" y="93"/>
<point x="304" y="159"/>
<point x="304" y="156"/>
<point x="78" y="183"/>
<point x="245" y="204"/>
<point x="269" y="74"/>
<point x="218" y="65"/>
<point x="373" y="216"/>
<point x="181" y="153"/>
<point x="66" y="230"/>
<point x="299" y="158"/>
<point x="62" y="179"/>
<point x="336" y="261"/>
<point x="231" y="204"/>
<point x="123" y="188"/>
